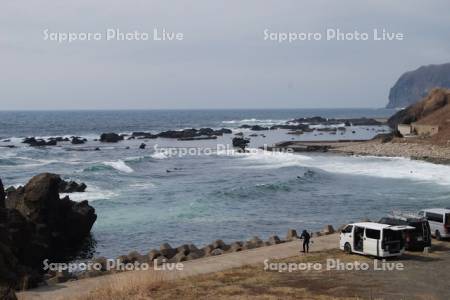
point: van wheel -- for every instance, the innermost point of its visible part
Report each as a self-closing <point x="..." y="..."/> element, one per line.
<point x="438" y="235"/>
<point x="347" y="248"/>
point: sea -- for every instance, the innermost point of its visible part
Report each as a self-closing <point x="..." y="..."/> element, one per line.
<point x="199" y="191"/>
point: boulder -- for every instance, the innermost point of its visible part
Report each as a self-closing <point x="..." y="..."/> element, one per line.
<point x="36" y="224"/>
<point x="71" y="187"/>
<point x="179" y="257"/>
<point x="292" y="235"/>
<point x="219" y="244"/>
<point x="240" y="142"/>
<point x="236" y="246"/>
<point x="102" y="261"/>
<point x="123" y="259"/>
<point x="216" y="252"/>
<point x="167" y="250"/>
<point x="110" y="137"/>
<point x="135" y="256"/>
<point x="248" y="245"/>
<point x="183" y="249"/>
<point x="63" y="222"/>
<point x="193" y="248"/>
<point x="195" y="255"/>
<point x="257" y="241"/>
<point x="273" y="240"/>
<point x="328" y="229"/>
<point x="153" y="254"/>
<point x="76" y="140"/>
<point x="208" y="249"/>
<point x="160" y="260"/>
<point x="2" y="195"/>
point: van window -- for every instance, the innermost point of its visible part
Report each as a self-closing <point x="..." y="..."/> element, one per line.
<point x="391" y="235"/>
<point x="347" y="229"/>
<point x="447" y="219"/>
<point x="434" y="217"/>
<point x="372" y="234"/>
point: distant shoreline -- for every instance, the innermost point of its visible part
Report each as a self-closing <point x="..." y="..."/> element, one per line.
<point x="437" y="154"/>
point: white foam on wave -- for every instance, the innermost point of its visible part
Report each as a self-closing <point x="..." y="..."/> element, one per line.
<point x="91" y="194"/>
<point x="257" y="158"/>
<point x="159" y="155"/>
<point x="119" y="165"/>
<point x="142" y="185"/>
<point x="254" y="121"/>
<point x="383" y="167"/>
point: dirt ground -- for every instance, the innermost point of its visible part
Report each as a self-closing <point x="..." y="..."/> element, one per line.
<point x="425" y="276"/>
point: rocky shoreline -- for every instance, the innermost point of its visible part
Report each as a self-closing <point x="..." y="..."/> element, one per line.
<point x="394" y="147"/>
<point x="166" y="254"/>
<point x="36" y="224"/>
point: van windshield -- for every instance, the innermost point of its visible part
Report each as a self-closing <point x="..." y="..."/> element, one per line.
<point x="391" y="235"/>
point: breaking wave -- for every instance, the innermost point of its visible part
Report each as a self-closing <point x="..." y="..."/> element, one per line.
<point x="119" y="165"/>
<point x="383" y="167"/>
<point x="254" y="121"/>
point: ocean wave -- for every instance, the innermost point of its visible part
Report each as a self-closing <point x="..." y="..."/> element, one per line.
<point x="25" y="162"/>
<point x="119" y="165"/>
<point x="159" y="155"/>
<point x="142" y="185"/>
<point x="91" y="194"/>
<point x="7" y="162"/>
<point x="382" y="167"/>
<point x="257" y="158"/>
<point x="254" y="121"/>
<point x="386" y="167"/>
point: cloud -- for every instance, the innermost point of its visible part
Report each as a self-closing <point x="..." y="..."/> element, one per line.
<point x="223" y="61"/>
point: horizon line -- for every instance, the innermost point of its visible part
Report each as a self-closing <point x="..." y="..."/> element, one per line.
<point x="186" y="109"/>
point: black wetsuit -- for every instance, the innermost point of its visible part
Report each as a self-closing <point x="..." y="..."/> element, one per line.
<point x="306" y="237"/>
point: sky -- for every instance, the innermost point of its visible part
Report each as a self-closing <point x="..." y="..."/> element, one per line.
<point x="223" y="60"/>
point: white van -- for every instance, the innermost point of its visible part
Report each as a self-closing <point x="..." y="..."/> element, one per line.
<point x="376" y="239"/>
<point x="439" y="220"/>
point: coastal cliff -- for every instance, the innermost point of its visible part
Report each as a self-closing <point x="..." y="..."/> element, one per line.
<point x="414" y="85"/>
<point x="433" y="110"/>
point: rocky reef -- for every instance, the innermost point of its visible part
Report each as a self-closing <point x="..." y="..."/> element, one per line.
<point x="36" y="224"/>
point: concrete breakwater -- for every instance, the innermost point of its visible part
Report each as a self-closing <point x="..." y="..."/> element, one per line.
<point x="168" y="254"/>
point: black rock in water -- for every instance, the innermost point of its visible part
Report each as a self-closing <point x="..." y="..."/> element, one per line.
<point x="33" y="142"/>
<point x="71" y="187"/>
<point x="76" y="140"/>
<point x="188" y="134"/>
<point x="110" y="137"/>
<point x="36" y="224"/>
<point x="240" y="142"/>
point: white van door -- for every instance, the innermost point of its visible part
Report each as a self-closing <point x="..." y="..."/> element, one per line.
<point x="372" y="241"/>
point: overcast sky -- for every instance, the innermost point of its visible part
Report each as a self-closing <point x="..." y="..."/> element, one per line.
<point x="223" y="61"/>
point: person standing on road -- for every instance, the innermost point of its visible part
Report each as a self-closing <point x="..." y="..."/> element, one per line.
<point x="305" y="237"/>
